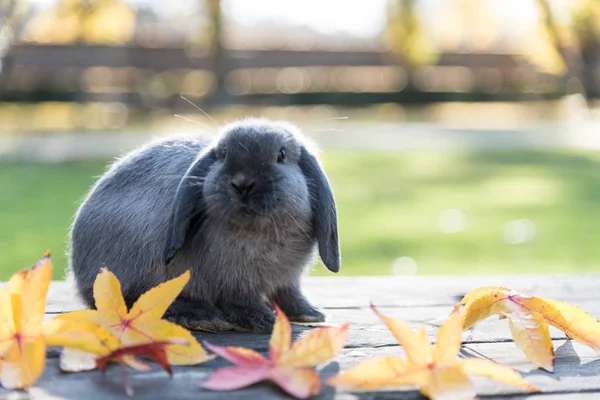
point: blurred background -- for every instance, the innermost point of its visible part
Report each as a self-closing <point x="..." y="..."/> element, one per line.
<point x="460" y="136"/>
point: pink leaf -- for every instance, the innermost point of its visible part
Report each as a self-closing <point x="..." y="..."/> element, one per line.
<point x="298" y="382"/>
<point x="233" y="378"/>
<point x="239" y="355"/>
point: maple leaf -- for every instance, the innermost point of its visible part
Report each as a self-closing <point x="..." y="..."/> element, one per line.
<point x="128" y="356"/>
<point x="23" y="335"/>
<point x="139" y="325"/>
<point x="529" y="317"/>
<point x="436" y="370"/>
<point x="289" y="365"/>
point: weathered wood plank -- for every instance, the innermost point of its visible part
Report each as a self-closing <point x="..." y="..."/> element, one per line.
<point x="402" y="291"/>
<point x="416" y="300"/>
<point x="366" y="330"/>
<point x="577" y="369"/>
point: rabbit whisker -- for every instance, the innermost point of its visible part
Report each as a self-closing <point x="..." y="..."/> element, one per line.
<point x="325" y="120"/>
<point x="186" y="119"/>
<point x="275" y="228"/>
<point x="199" y="109"/>
<point x="244" y="147"/>
<point x="327" y="130"/>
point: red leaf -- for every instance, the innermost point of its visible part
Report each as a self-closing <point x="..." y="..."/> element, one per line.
<point x="155" y="351"/>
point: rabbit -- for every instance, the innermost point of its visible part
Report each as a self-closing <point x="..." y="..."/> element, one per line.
<point x="245" y="213"/>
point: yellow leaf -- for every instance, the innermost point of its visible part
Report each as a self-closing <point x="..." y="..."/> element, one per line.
<point x="316" y="347"/>
<point x="381" y="372"/>
<point x="448" y="341"/>
<point x="530" y="332"/>
<point x="443" y="377"/>
<point x="417" y="346"/>
<point x="495" y="371"/>
<point x="154" y="303"/>
<point x="109" y="299"/>
<point x="23" y="363"/>
<point x="34" y="293"/>
<point x="482" y="303"/>
<point x="572" y="320"/>
<point x="91" y="316"/>
<point x="160" y="330"/>
<point x="16" y="282"/>
<point x="82" y="335"/>
<point x="478" y="293"/>
<point x="143" y="323"/>
<point x="281" y="338"/>
<point x="448" y="384"/>
<point x="22" y="305"/>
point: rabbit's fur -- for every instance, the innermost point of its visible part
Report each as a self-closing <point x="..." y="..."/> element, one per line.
<point x="171" y="206"/>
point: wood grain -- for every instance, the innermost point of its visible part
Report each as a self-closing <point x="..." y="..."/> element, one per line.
<point x="419" y="301"/>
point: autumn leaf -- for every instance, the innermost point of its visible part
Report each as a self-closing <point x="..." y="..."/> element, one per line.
<point x="128" y="356"/>
<point x="435" y="370"/>
<point x="289" y="364"/>
<point x="528" y="318"/>
<point x="141" y="324"/>
<point x="23" y="335"/>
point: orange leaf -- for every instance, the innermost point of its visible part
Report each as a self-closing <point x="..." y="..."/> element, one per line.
<point x="572" y="320"/>
<point x="143" y="323"/>
<point x="288" y="366"/>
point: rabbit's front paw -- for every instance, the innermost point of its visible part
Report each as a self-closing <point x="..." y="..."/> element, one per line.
<point x="197" y="316"/>
<point x="250" y="318"/>
<point x="308" y="315"/>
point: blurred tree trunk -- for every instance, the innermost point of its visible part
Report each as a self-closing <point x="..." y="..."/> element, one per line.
<point x="405" y="33"/>
<point x="216" y="47"/>
<point x="587" y="30"/>
<point x="574" y="64"/>
<point x="13" y="16"/>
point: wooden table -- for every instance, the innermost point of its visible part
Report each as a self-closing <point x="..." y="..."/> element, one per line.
<point x="417" y="300"/>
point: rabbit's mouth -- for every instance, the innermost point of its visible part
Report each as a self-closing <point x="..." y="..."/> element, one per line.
<point x="253" y="210"/>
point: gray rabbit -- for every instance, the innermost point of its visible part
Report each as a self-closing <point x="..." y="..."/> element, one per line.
<point x="244" y="213"/>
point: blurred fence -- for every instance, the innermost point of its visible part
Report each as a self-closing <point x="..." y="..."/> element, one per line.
<point x="154" y="77"/>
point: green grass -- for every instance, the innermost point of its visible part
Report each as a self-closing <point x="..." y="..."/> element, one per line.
<point x="389" y="207"/>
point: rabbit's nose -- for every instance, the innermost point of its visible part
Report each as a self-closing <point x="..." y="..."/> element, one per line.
<point x="242" y="184"/>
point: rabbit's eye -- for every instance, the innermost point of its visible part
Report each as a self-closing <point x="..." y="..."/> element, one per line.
<point x="281" y="155"/>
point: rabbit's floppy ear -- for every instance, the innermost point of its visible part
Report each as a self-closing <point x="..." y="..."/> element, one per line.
<point x="323" y="208"/>
<point x="188" y="204"/>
